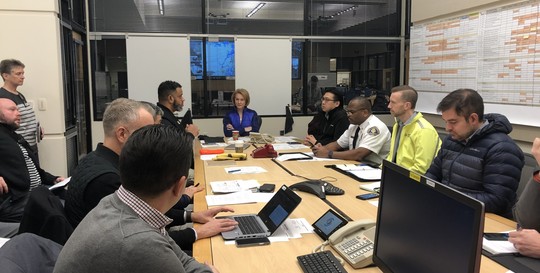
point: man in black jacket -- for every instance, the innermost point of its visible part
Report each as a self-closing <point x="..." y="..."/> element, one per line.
<point x="330" y="123"/>
<point x="19" y="169"/>
<point x="171" y="98"/>
<point x="97" y="175"/>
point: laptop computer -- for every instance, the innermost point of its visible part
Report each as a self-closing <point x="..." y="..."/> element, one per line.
<point x="267" y="221"/>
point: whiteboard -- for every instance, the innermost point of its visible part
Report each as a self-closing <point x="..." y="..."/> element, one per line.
<point x="494" y="51"/>
<point x="263" y="67"/>
<point x="152" y="60"/>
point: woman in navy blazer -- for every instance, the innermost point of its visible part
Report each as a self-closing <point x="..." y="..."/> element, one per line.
<point x="240" y="118"/>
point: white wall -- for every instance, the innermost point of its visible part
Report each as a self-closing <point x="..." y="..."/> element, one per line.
<point x="31" y="33"/>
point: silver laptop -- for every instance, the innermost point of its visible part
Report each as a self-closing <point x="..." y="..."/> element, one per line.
<point x="271" y="216"/>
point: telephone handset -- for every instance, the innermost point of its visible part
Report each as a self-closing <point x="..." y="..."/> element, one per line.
<point x="356" y="239"/>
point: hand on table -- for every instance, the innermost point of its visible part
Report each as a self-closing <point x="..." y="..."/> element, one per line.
<point x="526" y="241"/>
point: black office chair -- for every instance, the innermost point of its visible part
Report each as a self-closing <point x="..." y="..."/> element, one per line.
<point x="29" y="253"/>
<point x="526" y="173"/>
<point x="260" y="122"/>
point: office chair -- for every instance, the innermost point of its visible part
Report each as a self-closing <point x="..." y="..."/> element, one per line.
<point x="260" y="122"/>
<point x="526" y="173"/>
<point x="29" y="253"/>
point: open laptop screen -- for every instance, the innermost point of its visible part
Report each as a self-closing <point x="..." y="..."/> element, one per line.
<point x="424" y="226"/>
<point x="279" y="208"/>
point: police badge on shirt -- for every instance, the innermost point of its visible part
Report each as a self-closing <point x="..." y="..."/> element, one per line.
<point x="373" y="131"/>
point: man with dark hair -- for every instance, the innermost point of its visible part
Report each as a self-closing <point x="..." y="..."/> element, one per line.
<point x="478" y="158"/>
<point x="415" y="141"/>
<point x="170" y="95"/>
<point x="19" y="170"/>
<point x="126" y="231"/>
<point x="12" y="72"/>
<point x="330" y="123"/>
<point x="366" y="140"/>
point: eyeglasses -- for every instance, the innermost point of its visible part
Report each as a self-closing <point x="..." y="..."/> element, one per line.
<point x="327" y="99"/>
<point x="352" y="112"/>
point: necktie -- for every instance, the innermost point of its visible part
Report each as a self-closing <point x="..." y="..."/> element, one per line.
<point x="355" y="138"/>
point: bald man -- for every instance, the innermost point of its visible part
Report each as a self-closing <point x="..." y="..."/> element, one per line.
<point x="19" y="170"/>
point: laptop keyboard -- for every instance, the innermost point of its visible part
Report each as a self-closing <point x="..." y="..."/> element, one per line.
<point x="320" y="262"/>
<point x="248" y="224"/>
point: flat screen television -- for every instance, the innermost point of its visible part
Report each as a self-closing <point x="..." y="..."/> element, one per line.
<point x="219" y="60"/>
<point x="295" y="68"/>
<point x="424" y="226"/>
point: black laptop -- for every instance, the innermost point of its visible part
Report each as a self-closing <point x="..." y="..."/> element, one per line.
<point x="267" y="221"/>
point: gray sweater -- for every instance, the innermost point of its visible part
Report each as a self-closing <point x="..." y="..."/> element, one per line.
<point x="113" y="238"/>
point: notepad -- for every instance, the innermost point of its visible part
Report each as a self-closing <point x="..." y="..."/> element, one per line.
<point x="362" y="171"/>
<point x="229" y="186"/>
<point x="498" y="247"/>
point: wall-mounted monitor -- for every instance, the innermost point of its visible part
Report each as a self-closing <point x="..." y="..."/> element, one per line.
<point x="219" y="60"/>
<point x="295" y="68"/>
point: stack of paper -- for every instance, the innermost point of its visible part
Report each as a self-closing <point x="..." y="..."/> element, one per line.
<point x="361" y="171"/>
<point x="233" y="186"/>
<point x="498" y="247"/>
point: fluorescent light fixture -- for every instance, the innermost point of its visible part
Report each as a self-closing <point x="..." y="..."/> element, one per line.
<point x="161" y="7"/>
<point x="257" y="8"/>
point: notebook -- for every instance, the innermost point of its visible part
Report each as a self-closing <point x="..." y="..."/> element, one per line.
<point x="271" y="216"/>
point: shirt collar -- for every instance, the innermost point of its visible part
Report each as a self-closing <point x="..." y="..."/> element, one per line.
<point x="486" y="122"/>
<point x="150" y="215"/>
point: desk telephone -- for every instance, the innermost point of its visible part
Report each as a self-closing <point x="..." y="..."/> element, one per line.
<point x="260" y="138"/>
<point x="266" y="151"/>
<point x="355" y="242"/>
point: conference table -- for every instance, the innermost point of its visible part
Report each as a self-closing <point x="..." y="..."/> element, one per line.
<point x="281" y="256"/>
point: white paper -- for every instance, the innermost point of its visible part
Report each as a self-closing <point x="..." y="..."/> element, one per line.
<point x="374" y="202"/>
<point x="207" y="157"/>
<point x="370" y="186"/>
<point x="299" y="225"/>
<point x="361" y="171"/>
<point x="241" y="197"/>
<point x="245" y="170"/>
<point x="60" y="184"/>
<point x="498" y="247"/>
<point x="229" y="186"/>
<point x="214" y="145"/>
<point x="292" y="156"/>
<point x="286" y="146"/>
<point x="3" y="241"/>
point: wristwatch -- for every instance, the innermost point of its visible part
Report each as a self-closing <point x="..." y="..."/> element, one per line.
<point x="330" y="154"/>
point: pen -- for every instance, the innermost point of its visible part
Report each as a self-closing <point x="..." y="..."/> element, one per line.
<point x="196" y="185"/>
<point x="233" y="171"/>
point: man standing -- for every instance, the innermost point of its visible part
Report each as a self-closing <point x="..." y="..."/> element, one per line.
<point x="415" y="141"/>
<point x="126" y="231"/>
<point x="478" y="158"/>
<point x="171" y="98"/>
<point x="97" y="175"/>
<point x="366" y="140"/>
<point x="329" y="124"/>
<point x="12" y="72"/>
<point x="19" y="170"/>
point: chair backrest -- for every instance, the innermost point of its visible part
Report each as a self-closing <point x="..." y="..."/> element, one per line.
<point x="526" y="173"/>
<point x="29" y="253"/>
<point x="260" y="122"/>
<point x="44" y="215"/>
